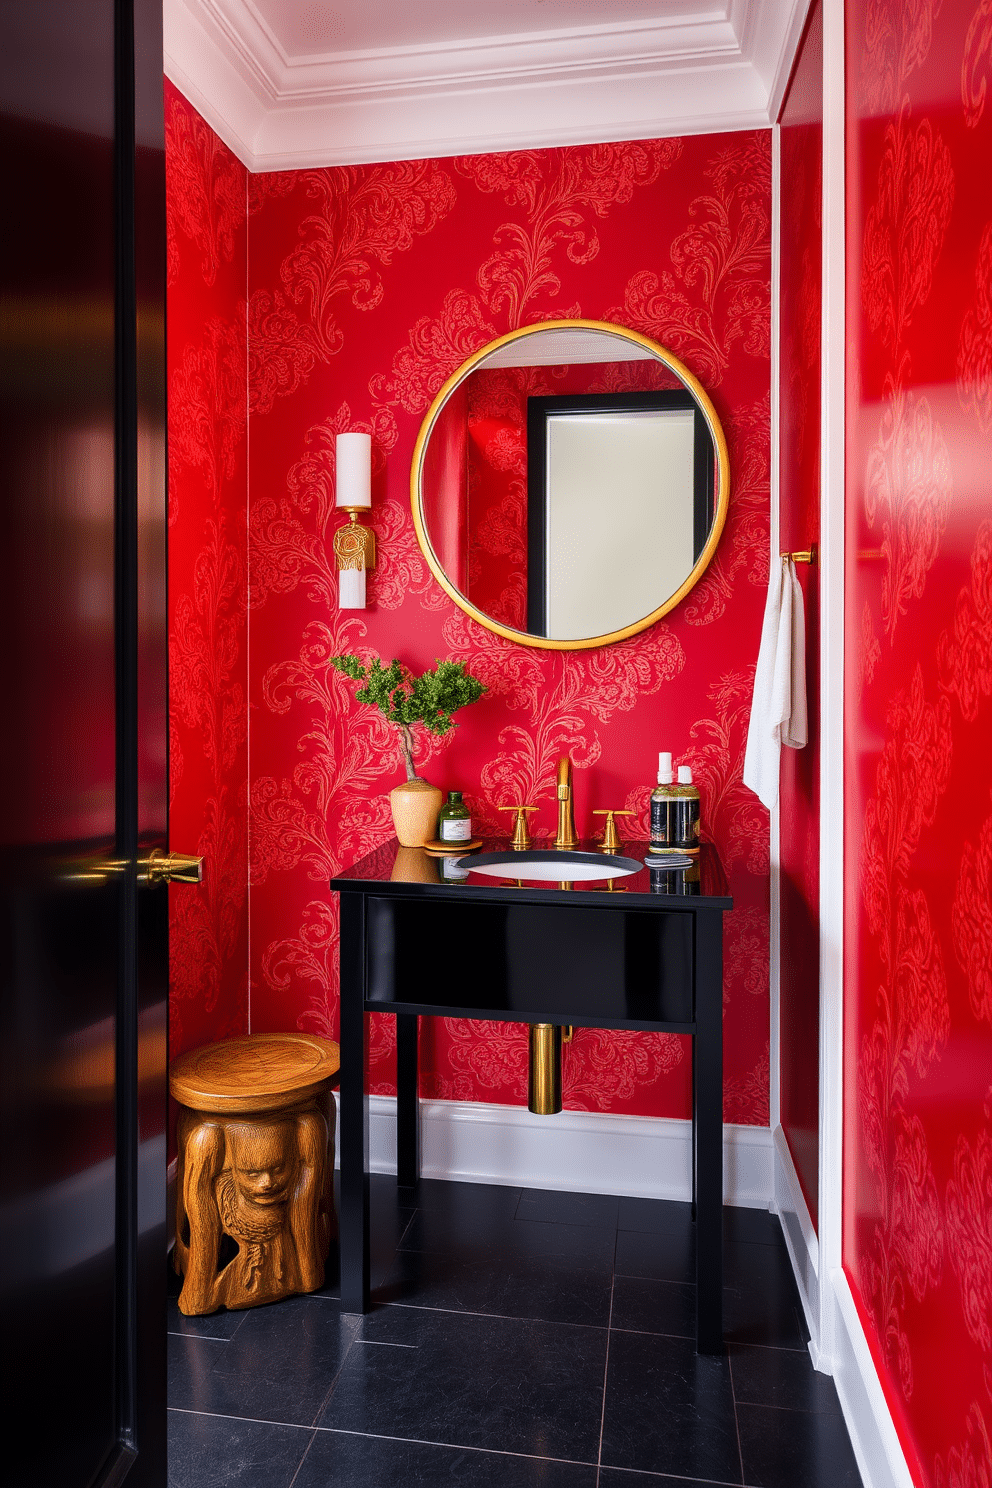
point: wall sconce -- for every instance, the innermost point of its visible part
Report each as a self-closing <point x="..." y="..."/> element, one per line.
<point x="354" y="545"/>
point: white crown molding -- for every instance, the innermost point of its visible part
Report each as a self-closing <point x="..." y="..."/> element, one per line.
<point x="775" y="48"/>
<point x="200" y="61"/>
<point x="637" y="80"/>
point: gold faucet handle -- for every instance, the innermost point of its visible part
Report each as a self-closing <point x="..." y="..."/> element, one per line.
<point x="611" y="837"/>
<point x="521" y="836"/>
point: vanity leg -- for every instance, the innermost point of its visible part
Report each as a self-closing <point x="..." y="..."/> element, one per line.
<point x="708" y="1126"/>
<point x="692" y="1154"/>
<point x="407" y="1101"/>
<point x="353" y="1220"/>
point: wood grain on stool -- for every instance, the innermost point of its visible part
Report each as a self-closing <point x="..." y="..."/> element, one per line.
<point x="255" y="1132"/>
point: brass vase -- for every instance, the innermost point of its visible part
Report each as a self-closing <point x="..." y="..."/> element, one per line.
<point x="415" y="805"/>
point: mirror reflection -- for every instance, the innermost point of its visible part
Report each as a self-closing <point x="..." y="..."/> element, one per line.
<point x="570" y="484"/>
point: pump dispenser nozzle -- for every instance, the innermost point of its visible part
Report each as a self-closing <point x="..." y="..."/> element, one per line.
<point x="665" y="776"/>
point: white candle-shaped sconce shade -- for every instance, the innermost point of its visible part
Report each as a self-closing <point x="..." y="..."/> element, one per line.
<point x="353" y="462"/>
<point x="351" y="589"/>
<point x="354" y="545"/>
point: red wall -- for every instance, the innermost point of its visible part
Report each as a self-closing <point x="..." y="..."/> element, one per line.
<point x="368" y="286"/>
<point x="918" y="1136"/>
<point x="208" y="493"/>
<point x="799" y="528"/>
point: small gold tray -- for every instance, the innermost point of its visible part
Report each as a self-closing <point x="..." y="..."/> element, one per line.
<point x="452" y="849"/>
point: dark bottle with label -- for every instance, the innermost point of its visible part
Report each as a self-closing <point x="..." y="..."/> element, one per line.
<point x="685" y="813"/>
<point x="662" y="799"/>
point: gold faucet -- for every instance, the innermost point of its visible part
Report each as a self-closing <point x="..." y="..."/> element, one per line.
<point x="566" y="806"/>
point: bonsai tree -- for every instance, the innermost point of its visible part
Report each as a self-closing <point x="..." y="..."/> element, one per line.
<point x="404" y="699"/>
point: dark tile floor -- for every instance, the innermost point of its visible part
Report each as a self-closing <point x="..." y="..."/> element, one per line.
<point x="524" y="1339"/>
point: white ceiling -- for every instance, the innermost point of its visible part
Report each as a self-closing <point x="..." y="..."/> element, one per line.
<point x="291" y="83"/>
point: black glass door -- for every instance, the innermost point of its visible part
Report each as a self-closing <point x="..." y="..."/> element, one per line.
<point x="83" y="948"/>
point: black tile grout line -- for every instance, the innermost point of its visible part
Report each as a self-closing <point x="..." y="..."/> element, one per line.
<point x="737" y="1424"/>
<point x="566" y="1224"/>
<point x="183" y="1410"/>
<point x="792" y="1349"/>
<point x="420" y="1441"/>
<point x="501" y="1317"/>
<point x="659" y="1281"/>
<point x="780" y="1348"/>
<point x="672" y="1477"/>
<point x="789" y="1410"/>
<point x="606" y="1364"/>
<point x="207" y="1337"/>
<point x="381" y="1343"/>
<point x="306" y="1454"/>
<point x="406" y="1229"/>
<point x="654" y="1333"/>
<point x="334" y="1382"/>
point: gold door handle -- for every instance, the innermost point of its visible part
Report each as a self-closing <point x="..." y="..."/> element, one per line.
<point x="160" y="867"/>
<point x="173" y="867"/>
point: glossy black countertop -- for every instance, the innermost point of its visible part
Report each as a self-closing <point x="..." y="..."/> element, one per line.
<point x="391" y="869"/>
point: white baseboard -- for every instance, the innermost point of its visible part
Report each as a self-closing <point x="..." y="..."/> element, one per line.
<point x="580" y="1151"/>
<point x="881" y="1460"/>
<point x="880" y="1457"/>
<point x="800" y="1239"/>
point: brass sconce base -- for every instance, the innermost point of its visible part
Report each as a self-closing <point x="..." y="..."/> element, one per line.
<point x="354" y="545"/>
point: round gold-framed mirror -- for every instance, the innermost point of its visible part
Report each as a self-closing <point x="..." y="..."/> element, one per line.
<point x="569" y="484"/>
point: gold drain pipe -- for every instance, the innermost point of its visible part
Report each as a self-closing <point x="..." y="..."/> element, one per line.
<point x="544" y="1072"/>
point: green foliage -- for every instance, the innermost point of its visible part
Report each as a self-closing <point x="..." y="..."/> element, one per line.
<point x="404" y="699"/>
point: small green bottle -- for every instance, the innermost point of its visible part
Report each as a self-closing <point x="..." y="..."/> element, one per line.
<point x="454" y="822"/>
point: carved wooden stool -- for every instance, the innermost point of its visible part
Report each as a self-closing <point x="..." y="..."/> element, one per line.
<point x="255" y="1203"/>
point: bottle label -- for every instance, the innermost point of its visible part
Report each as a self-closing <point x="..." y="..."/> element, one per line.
<point x="661" y="835"/>
<point x="456" y="828"/>
<point x="686" y="824"/>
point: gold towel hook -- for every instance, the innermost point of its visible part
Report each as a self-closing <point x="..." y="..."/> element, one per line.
<point x="806" y="555"/>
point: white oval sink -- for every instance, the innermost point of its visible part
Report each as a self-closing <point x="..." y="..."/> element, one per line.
<point x="550" y="865"/>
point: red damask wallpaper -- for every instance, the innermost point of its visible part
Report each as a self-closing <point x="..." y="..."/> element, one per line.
<point x="918" y="1142"/>
<point x="367" y="286"/>
<point x="799" y="528"/>
<point x="208" y="553"/>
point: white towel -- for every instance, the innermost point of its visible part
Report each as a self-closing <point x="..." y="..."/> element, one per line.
<point x="778" y="707"/>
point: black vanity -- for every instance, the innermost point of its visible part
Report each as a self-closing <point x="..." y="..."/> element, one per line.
<point x="641" y="952"/>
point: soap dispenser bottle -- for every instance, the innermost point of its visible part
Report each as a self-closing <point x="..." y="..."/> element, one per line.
<point x="685" y="813"/>
<point x="662" y="803"/>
